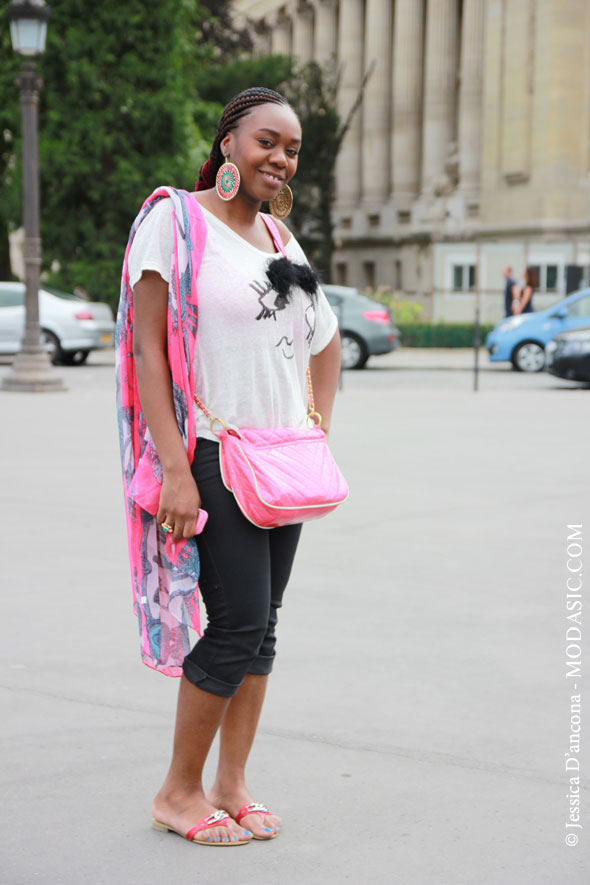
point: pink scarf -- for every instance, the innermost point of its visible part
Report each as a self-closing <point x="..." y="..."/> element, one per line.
<point x="164" y="575"/>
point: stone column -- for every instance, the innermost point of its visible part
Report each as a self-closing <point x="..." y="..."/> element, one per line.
<point x="438" y="118"/>
<point x="350" y="62"/>
<point x="517" y="92"/>
<point x="470" y="96"/>
<point x="376" y="104"/>
<point x="303" y="32"/>
<point x="280" y="37"/>
<point x="407" y="97"/>
<point x="326" y="14"/>
<point x="560" y="115"/>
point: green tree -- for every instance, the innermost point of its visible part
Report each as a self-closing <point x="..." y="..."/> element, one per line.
<point x="116" y="121"/>
<point x="10" y="153"/>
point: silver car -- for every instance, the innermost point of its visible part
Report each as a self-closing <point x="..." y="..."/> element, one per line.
<point x="366" y="326"/>
<point x="70" y="327"/>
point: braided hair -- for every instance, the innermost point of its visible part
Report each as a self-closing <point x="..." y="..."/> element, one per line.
<point x="238" y="107"/>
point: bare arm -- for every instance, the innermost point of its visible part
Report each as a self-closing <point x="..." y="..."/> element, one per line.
<point x="324" y="370"/>
<point x="516" y="307"/>
<point x="179" y="497"/>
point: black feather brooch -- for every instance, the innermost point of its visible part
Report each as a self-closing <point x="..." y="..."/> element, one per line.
<point x="285" y="275"/>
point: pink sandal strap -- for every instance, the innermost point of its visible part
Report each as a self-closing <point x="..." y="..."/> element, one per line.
<point x="252" y="808"/>
<point x="217" y="819"/>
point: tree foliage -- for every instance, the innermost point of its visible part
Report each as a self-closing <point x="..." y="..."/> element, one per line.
<point x="119" y="115"/>
<point x="10" y="154"/>
<point x="116" y="122"/>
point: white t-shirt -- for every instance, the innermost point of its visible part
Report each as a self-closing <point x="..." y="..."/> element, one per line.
<point x="250" y="357"/>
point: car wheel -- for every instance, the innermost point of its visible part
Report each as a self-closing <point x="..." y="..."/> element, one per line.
<point x="354" y="351"/>
<point x="52" y="346"/>
<point x="529" y="357"/>
<point x="75" y="357"/>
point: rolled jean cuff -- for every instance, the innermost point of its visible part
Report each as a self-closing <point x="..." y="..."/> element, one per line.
<point x="202" y="680"/>
<point x="262" y="665"/>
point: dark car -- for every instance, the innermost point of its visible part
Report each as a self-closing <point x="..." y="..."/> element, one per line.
<point x="366" y="326"/>
<point x="568" y="355"/>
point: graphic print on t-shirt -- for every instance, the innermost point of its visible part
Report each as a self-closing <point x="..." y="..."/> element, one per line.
<point x="271" y="302"/>
<point x="268" y="298"/>
<point x="310" y="320"/>
<point x="286" y="347"/>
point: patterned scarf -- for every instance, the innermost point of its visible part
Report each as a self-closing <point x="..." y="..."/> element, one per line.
<point x="164" y="575"/>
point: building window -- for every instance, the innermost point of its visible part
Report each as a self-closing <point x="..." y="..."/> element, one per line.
<point x="369" y="274"/>
<point x="341" y="274"/>
<point x="551" y="278"/>
<point x="463" y="277"/>
<point x="547" y="277"/>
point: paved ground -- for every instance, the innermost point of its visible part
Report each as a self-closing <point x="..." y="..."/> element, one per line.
<point x="418" y="715"/>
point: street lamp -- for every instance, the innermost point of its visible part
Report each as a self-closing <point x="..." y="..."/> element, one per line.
<point x="31" y="369"/>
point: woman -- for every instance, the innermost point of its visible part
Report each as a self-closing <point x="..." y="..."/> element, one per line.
<point x="250" y="357"/>
<point x="524" y="302"/>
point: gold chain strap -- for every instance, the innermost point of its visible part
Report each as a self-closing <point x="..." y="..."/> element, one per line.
<point x="311" y="414"/>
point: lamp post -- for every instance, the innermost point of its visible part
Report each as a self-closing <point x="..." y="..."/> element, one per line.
<point x="31" y="369"/>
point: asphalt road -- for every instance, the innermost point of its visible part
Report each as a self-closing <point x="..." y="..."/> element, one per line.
<point x="419" y="712"/>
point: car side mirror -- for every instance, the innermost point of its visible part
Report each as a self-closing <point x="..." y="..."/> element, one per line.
<point x="561" y="312"/>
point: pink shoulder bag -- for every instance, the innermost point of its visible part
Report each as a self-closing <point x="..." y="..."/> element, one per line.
<point x="279" y="476"/>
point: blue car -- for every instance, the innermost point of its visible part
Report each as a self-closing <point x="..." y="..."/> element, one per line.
<point x="521" y="339"/>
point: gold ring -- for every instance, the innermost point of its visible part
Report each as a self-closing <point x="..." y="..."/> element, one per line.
<point x="167" y="528"/>
<point x="212" y="422"/>
<point x="313" y="416"/>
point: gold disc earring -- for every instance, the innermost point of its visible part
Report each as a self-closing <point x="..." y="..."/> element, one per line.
<point x="281" y="205"/>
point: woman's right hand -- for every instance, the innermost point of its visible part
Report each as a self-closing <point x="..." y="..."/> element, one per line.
<point x="179" y="503"/>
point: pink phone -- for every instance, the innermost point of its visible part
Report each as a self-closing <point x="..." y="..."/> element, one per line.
<point x="201" y="520"/>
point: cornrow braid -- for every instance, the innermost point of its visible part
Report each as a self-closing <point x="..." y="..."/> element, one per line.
<point x="238" y="107"/>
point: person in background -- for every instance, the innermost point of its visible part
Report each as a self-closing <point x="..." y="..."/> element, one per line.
<point x="511" y="290"/>
<point x="525" y="298"/>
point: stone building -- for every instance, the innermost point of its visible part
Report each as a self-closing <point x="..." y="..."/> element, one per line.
<point x="472" y="146"/>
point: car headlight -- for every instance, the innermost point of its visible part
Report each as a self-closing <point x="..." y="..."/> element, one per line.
<point x="550" y="347"/>
<point x="510" y="324"/>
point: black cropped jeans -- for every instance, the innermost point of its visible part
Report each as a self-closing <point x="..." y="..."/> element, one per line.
<point x="244" y="572"/>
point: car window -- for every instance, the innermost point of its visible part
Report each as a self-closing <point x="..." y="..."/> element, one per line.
<point x="65" y="295"/>
<point x="11" y="297"/>
<point x="579" y="308"/>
